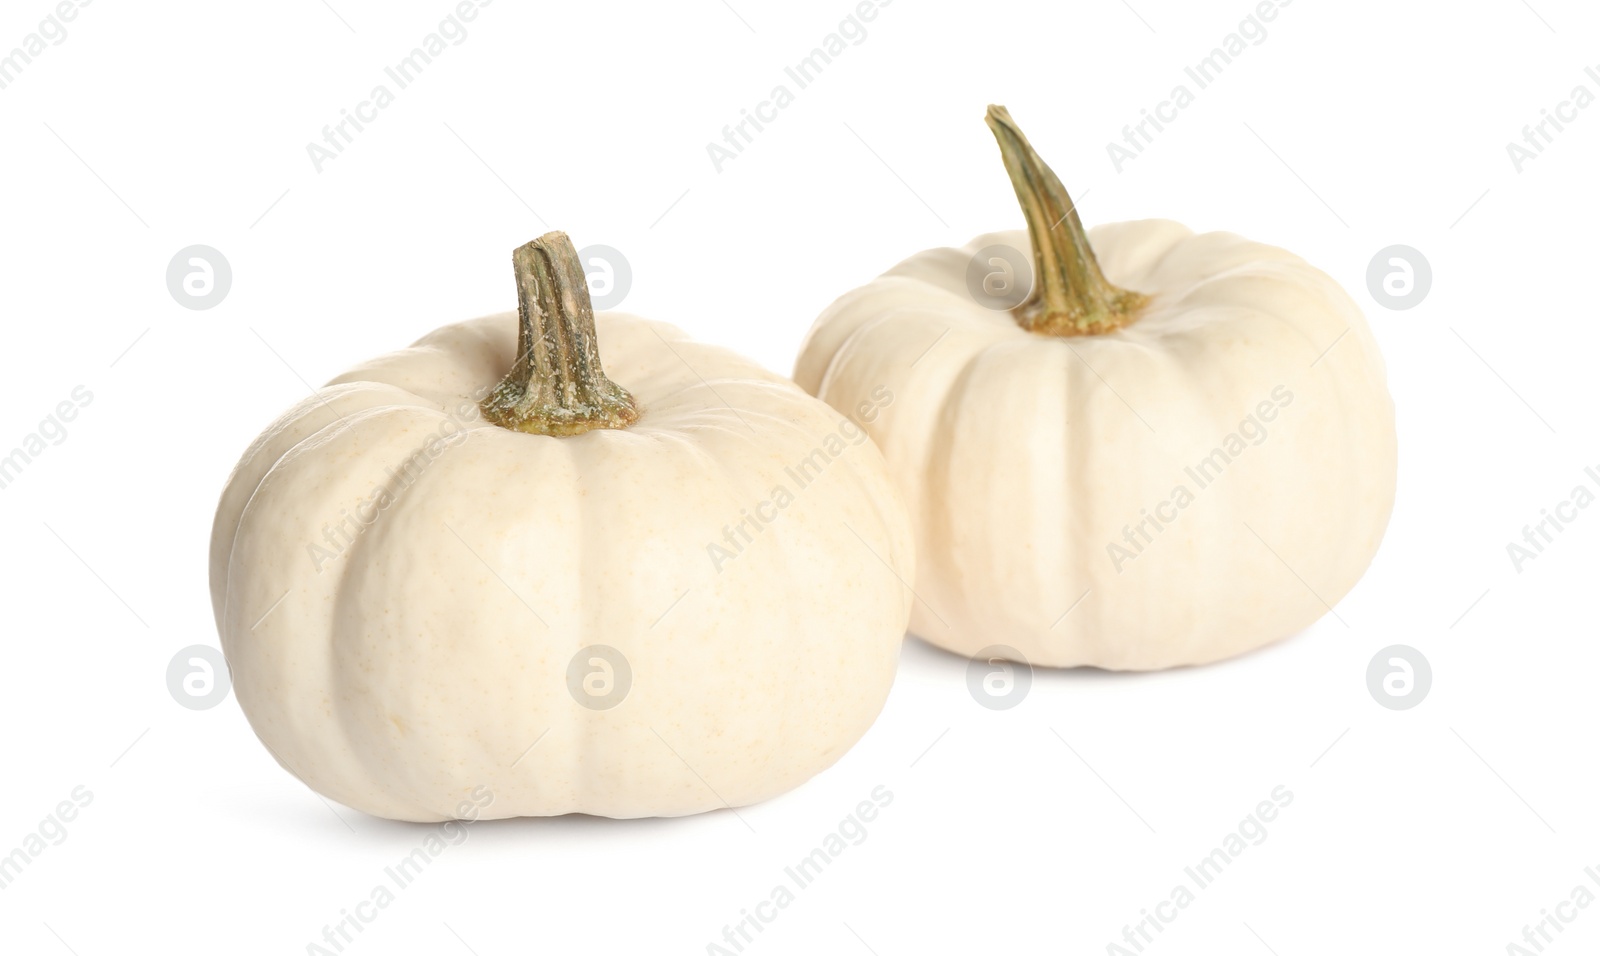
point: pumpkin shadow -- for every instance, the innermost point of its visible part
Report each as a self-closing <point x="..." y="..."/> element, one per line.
<point x="920" y="657"/>
<point x="576" y="826"/>
<point x="924" y="659"/>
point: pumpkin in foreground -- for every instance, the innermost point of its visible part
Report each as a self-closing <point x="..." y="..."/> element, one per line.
<point x="657" y="597"/>
<point x="1175" y="448"/>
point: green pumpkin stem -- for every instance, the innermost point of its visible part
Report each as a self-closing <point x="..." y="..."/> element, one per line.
<point x="1070" y="295"/>
<point x="556" y="386"/>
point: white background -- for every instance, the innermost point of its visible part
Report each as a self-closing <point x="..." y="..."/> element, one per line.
<point x="1047" y="828"/>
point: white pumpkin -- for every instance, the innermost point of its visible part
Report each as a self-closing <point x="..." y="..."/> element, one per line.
<point x="1180" y="458"/>
<point x="410" y="596"/>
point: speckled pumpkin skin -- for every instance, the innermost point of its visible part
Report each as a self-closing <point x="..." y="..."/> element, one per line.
<point x="1042" y="473"/>
<point x="420" y="651"/>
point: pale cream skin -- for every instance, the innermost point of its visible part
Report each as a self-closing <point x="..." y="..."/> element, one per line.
<point x="431" y="651"/>
<point x="1028" y="460"/>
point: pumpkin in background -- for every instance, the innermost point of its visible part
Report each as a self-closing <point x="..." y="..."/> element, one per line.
<point x="1174" y="449"/>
